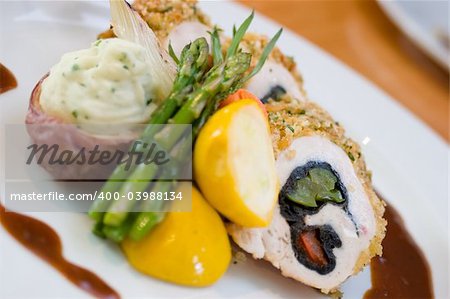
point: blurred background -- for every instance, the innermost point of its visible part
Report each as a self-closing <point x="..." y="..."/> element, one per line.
<point x="401" y="46"/>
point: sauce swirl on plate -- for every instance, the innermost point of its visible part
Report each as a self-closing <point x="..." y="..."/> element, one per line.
<point x="43" y="241"/>
<point x="402" y="271"/>
<point x="7" y="79"/>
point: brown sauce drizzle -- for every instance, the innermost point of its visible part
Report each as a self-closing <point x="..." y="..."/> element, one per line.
<point x="402" y="271"/>
<point x="7" y="79"/>
<point x="43" y="241"/>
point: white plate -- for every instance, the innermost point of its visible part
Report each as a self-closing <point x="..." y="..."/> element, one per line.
<point x="408" y="160"/>
<point x="425" y="23"/>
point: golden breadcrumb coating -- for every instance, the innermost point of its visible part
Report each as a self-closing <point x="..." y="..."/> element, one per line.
<point x="163" y="15"/>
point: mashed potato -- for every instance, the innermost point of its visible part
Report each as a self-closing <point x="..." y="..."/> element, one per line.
<point x="108" y="83"/>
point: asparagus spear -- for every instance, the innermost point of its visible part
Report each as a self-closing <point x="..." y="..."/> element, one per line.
<point x="219" y="79"/>
<point x="148" y="218"/>
<point x="194" y="107"/>
<point x="212" y="105"/>
<point x="191" y="68"/>
<point x="223" y="78"/>
<point x="117" y="234"/>
<point x="218" y="58"/>
<point x="145" y="222"/>
<point x="138" y="224"/>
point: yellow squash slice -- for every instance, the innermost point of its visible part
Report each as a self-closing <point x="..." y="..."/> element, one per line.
<point x="234" y="164"/>
<point x="188" y="248"/>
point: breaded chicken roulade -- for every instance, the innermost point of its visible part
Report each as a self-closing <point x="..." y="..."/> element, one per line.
<point x="328" y="222"/>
